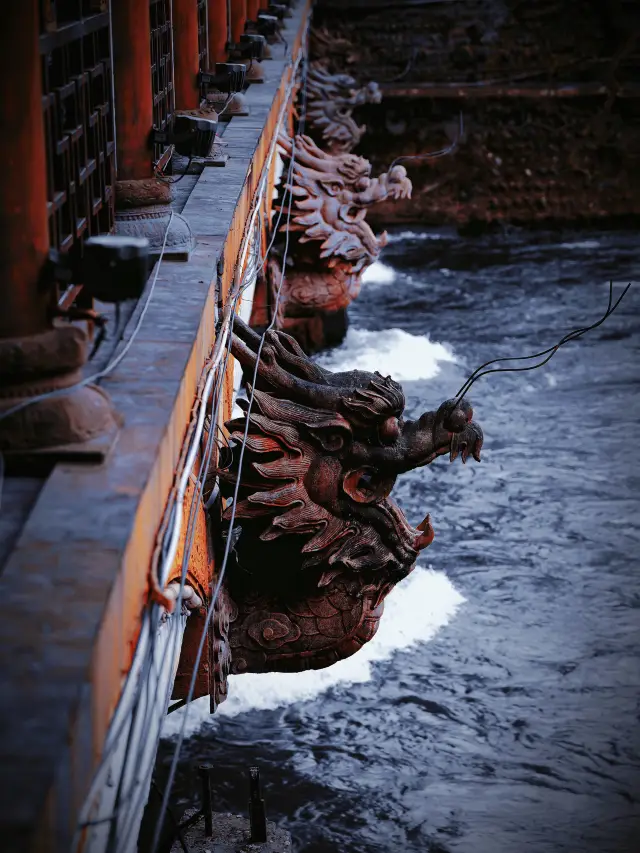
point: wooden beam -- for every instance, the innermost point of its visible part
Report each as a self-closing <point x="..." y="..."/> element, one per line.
<point x="468" y="91"/>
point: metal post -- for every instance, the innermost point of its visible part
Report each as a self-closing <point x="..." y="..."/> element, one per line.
<point x="204" y="771"/>
<point x="257" y="813"/>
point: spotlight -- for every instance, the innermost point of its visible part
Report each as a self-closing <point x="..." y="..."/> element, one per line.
<point x="267" y="25"/>
<point x="228" y="77"/>
<point x="191" y="136"/>
<point x="278" y="10"/>
<point x="250" y="46"/>
<point x="111" y="268"/>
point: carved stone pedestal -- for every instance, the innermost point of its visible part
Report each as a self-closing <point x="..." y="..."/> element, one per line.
<point x="143" y="209"/>
<point x="37" y="365"/>
<point x="234" y="106"/>
<point x="255" y="72"/>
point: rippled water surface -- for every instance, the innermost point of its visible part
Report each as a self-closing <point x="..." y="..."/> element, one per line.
<point x="515" y="728"/>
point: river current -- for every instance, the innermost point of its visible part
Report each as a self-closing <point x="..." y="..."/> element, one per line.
<point x="497" y="710"/>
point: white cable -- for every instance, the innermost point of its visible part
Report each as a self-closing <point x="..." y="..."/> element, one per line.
<point x="219" y="349"/>
<point x="113" y="364"/>
<point x="156" y="837"/>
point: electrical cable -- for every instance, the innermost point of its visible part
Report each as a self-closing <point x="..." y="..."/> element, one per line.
<point x="60" y="392"/>
<point x="549" y="352"/>
<point x="221" y="574"/>
<point x="197" y="492"/>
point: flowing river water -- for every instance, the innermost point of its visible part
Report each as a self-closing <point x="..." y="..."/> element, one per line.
<point x="497" y="710"/>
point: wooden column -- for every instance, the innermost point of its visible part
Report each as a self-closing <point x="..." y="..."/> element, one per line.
<point x="218" y="24"/>
<point x="24" y="228"/>
<point x="185" y="51"/>
<point x="134" y="99"/>
<point x="253" y="7"/>
<point x="238" y="19"/>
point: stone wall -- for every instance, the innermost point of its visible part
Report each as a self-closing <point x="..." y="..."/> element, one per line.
<point x="549" y="95"/>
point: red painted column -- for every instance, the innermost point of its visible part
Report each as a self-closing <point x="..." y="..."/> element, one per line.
<point x="134" y="99"/>
<point x="238" y="19"/>
<point x="218" y="24"/>
<point x="253" y="7"/>
<point x="24" y="227"/>
<point x="185" y="51"/>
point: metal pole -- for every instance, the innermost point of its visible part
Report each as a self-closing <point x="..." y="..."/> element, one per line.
<point x="204" y="771"/>
<point x="257" y="813"/>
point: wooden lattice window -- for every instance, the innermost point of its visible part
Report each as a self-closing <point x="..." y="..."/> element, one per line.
<point x="77" y="101"/>
<point x="162" y="74"/>
<point x="203" y="35"/>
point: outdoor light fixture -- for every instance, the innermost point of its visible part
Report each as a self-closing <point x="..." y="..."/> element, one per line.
<point x="228" y="77"/>
<point x="278" y="10"/>
<point x="267" y="25"/>
<point x="111" y="268"/>
<point x="192" y="136"/>
<point x="250" y="46"/>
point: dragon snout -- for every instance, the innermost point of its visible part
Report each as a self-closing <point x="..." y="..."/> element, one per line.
<point x="466" y="443"/>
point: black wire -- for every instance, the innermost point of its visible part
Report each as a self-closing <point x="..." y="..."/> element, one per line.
<point x="549" y="352"/>
<point x="434" y="155"/>
<point x="429" y="155"/>
<point x="166" y="180"/>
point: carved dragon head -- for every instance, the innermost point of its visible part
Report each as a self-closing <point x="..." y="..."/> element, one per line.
<point x="323" y="452"/>
<point x="331" y="101"/>
<point x="332" y="195"/>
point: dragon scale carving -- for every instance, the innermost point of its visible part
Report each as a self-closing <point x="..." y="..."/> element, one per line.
<point x="321" y="543"/>
<point x="331" y="242"/>
<point x="331" y="100"/>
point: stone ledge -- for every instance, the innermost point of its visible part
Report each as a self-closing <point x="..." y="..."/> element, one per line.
<point x="74" y="585"/>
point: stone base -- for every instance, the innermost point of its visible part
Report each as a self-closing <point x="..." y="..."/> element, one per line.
<point x="231" y="835"/>
<point x="237" y="106"/>
<point x="152" y="222"/>
<point x="255" y="72"/>
<point x="62" y="418"/>
<point x="218" y="154"/>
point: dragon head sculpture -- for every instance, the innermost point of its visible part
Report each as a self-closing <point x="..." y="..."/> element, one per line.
<point x="331" y="100"/>
<point x="333" y="244"/>
<point x="321" y="542"/>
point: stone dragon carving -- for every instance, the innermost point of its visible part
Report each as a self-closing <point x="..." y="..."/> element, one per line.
<point x="320" y="542"/>
<point x="331" y="100"/>
<point x="332" y="244"/>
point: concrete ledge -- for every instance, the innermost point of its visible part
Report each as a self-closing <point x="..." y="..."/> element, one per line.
<point x="74" y="586"/>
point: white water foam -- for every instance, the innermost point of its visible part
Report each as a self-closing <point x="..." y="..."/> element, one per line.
<point x="378" y="273"/>
<point x="579" y="244"/>
<point x="414" y="611"/>
<point x="401" y="236"/>
<point x="392" y="352"/>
